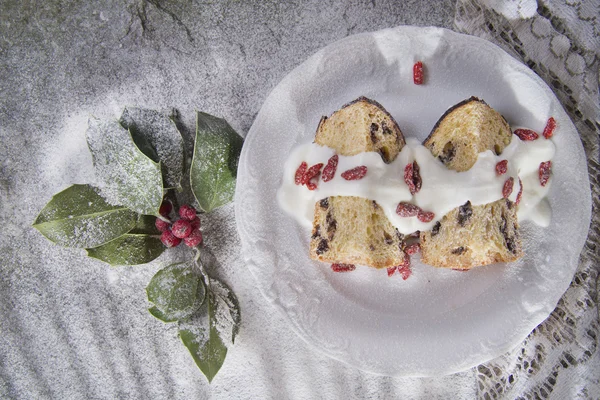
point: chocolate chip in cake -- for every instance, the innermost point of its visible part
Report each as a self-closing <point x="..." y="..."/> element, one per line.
<point x="459" y="250"/>
<point x="372" y="247"/>
<point x="375" y="205"/>
<point x="387" y="238"/>
<point x="316" y="232"/>
<point x="436" y="228"/>
<point x="464" y="213"/>
<point x="323" y="246"/>
<point x="448" y="153"/>
<point x="324" y="203"/>
<point x="386" y="130"/>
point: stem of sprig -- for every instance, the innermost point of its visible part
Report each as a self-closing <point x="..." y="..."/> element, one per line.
<point x="198" y="264"/>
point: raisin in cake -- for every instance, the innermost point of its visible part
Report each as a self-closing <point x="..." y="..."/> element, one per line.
<point x="469" y="236"/>
<point x="355" y="230"/>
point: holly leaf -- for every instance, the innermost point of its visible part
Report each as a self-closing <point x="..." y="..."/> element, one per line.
<point x="130" y="177"/>
<point x="157" y="136"/>
<point x="208" y="333"/>
<point x="139" y="246"/>
<point x="214" y="164"/>
<point x="176" y="292"/>
<point x="80" y="217"/>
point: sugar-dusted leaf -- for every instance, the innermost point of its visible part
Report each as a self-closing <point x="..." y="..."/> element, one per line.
<point x="176" y="291"/>
<point x="129" y="249"/>
<point x="156" y="313"/>
<point x="80" y="217"/>
<point x="129" y="177"/>
<point x="208" y="333"/>
<point x="157" y="136"/>
<point x="214" y="165"/>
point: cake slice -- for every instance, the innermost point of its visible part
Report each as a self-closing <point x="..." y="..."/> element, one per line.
<point x="355" y="230"/>
<point x="470" y="236"/>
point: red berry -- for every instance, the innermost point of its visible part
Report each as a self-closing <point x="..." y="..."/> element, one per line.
<point x="181" y="228"/>
<point x="165" y="208"/>
<point x="187" y="212"/>
<point x="169" y="240"/>
<point x="412" y="177"/>
<point x="520" y="192"/>
<point x="406" y="210"/>
<point x="418" y="73"/>
<point x="161" y="225"/>
<point x="549" y="129"/>
<point x="425" y="216"/>
<point x="526" y="134"/>
<point x="312" y="173"/>
<point x="403" y="268"/>
<point x="544" y="172"/>
<point x="501" y="167"/>
<point x="195" y="239"/>
<point x="195" y="223"/>
<point x="508" y="187"/>
<point x="355" y="174"/>
<point x="343" y="267"/>
<point x="413" y="249"/>
<point x="405" y="271"/>
<point x="330" y="168"/>
<point x="298" y="178"/>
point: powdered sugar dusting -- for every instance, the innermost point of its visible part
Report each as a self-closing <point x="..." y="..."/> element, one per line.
<point x="128" y="177"/>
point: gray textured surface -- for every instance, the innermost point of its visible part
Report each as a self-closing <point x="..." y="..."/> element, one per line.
<point x="71" y="327"/>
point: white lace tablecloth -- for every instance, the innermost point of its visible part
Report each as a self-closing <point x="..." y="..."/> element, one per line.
<point x="560" y="41"/>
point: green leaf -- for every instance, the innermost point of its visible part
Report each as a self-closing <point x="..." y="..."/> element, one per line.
<point x="157" y="136"/>
<point x="156" y="313"/>
<point x="79" y="217"/>
<point x="176" y="291"/>
<point x="214" y="165"/>
<point x="208" y="333"/>
<point x="130" y="177"/>
<point x="129" y="249"/>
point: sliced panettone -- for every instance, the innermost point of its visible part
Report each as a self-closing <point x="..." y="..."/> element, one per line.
<point x="355" y="230"/>
<point x="464" y="131"/>
<point x="470" y="236"/>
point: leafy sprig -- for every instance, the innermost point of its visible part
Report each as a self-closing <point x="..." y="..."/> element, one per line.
<point x="140" y="159"/>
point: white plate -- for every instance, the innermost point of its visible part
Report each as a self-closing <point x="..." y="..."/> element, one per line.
<point x="438" y="321"/>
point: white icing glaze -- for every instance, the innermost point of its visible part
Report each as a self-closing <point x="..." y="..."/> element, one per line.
<point x="442" y="189"/>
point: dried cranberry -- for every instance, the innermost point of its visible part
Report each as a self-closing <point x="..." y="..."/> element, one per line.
<point x="418" y="73"/>
<point x="405" y="271"/>
<point x="355" y="173"/>
<point x="544" y="172"/>
<point x="406" y="210"/>
<point x="508" y="187"/>
<point x="391" y="270"/>
<point x="502" y="167"/>
<point x="413" y="249"/>
<point x="311" y="185"/>
<point x="343" y="267"/>
<point x="425" y="216"/>
<point x="312" y="172"/>
<point x="520" y="192"/>
<point x="412" y="177"/>
<point x="549" y="129"/>
<point x="526" y="134"/>
<point x="298" y="179"/>
<point x="330" y="168"/>
<point x="195" y="223"/>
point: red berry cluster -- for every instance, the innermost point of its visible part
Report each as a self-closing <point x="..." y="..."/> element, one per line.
<point x="187" y="228"/>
